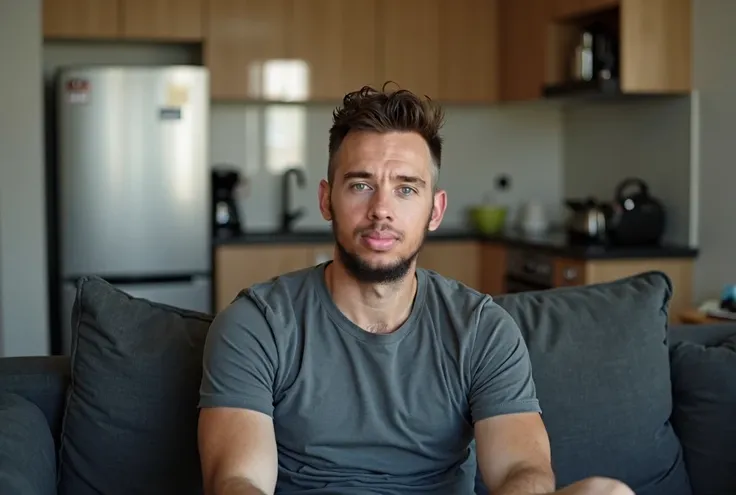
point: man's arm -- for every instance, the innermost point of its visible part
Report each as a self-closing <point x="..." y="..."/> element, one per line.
<point x="512" y="445"/>
<point x="238" y="452"/>
<point x="514" y="454"/>
<point x="236" y="436"/>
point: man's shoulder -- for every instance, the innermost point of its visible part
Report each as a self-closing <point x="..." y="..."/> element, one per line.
<point x="464" y="303"/>
<point x="272" y="303"/>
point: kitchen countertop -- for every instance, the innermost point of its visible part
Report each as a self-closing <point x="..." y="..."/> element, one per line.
<point x="554" y="243"/>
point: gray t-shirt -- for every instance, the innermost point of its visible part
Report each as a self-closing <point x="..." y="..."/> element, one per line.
<point x="356" y="412"/>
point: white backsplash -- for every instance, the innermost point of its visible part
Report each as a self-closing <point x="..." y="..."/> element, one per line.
<point x="523" y="142"/>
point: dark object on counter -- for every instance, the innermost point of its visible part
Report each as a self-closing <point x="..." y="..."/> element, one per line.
<point x="587" y="221"/>
<point x="226" y="219"/>
<point x="635" y="218"/>
<point x="728" y="299"/>
<point x="288" y="217"/>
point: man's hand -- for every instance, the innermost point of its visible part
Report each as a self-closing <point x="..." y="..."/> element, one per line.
<point x="596" y="486"/>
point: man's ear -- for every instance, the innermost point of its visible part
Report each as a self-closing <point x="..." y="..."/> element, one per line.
<point x="439" y="206"/>
<point x="324" y="200"/>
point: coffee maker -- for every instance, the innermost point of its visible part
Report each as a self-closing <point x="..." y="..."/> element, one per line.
<point x="226" y="219"/>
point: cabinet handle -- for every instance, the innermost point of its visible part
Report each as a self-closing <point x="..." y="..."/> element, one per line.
<point x="570" y="274"/>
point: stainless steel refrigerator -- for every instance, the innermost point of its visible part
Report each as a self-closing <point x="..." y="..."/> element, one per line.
<point x="133" y="183"/>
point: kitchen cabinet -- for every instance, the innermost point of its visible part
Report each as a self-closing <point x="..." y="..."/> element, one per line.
<point x="493" y="268"/>
<point x="173" y="20"/>
<point x="246" y="49"/>
<point x="336" y="41"/>
<point x="654" y="37"/>
<point x="80" y="19"/>
<point x="469" y="51"/>
<point x="154" y="20"/>
<point x="523" y="44"/>
<point x="459" y="260"/>
<point x="409" y="44"/>
<point x="240" y="266"/>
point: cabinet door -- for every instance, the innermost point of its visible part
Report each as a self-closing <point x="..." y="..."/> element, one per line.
<point x="458" y="260"/>
<point x="80" y="19"/>
<point x="561" y="9"/>
<point x="593" y="5"/>
<point x="162" y="19"/>
<point x="238" y="267"/>
<point x="410" y="44"/>
<point x="656" y="46"/>
<point x="468" y="51"/>
<point x="523" y="29"/>
<point x="493" y="269"/>
<point x="245" y="48"/>
<point x="336" y="39"/>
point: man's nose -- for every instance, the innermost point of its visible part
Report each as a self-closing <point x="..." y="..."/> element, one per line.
<point x="381" y="204"/>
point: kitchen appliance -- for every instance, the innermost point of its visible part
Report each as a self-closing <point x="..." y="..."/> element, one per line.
<point x="133" y="193"/>
<point x="587" y="221"/>
<point x="528" y="270"/>
<point x="635" y="216"/>
<point x="225" y="218"/>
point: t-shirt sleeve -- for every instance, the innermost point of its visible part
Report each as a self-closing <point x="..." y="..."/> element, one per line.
<point x="501" y="371"/>
<point x="240" y="360"/>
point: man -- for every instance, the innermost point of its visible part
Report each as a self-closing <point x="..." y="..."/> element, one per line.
<point x="367" y="375"/>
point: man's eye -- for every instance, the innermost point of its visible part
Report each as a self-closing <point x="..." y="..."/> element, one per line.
<point x="359" y="186"/>
<point x="406" y="191"/>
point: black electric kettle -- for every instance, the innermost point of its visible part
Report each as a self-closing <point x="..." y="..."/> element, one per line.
<point x="635" y="216"/>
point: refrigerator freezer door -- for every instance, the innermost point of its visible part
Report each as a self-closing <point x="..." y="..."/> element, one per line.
<point x="193" y="295"/>
<point x="133" y="171"/>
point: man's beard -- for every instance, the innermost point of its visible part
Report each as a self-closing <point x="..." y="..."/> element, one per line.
<point x="363" y="272"/>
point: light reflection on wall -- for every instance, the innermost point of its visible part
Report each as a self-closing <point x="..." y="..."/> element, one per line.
<point x="285" y="123"/>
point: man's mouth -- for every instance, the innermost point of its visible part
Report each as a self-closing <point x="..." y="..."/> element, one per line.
<point x="379" y="240"/>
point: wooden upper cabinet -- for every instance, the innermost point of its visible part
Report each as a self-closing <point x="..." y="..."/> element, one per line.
<point x="409" y="44"/>
<point x="468" y="51"/>
<point x="560" y="9"/>
<point x="246" y="50"/>
<point x="162" y="19"/>
<point x="656" y="46"/>
<point x="336" y="41"/>
<point x="593" y="5"/>
<point x="523" y="40"/>
<point x="79" y="19"/>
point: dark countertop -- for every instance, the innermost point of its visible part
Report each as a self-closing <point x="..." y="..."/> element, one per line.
<point x="554" y="243"/>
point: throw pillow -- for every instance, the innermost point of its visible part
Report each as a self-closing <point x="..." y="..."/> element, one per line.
<point x="601" y="366"/>
<point x="705" y="408"/>
<point x="27" y="452"/>
<point x="130" y="424"/>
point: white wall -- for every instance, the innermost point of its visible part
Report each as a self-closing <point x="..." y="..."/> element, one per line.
<point x="715" y="75"/>
<point x="23" y="267"/>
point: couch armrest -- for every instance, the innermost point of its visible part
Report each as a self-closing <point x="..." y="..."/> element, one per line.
<point x="27" y="452"/>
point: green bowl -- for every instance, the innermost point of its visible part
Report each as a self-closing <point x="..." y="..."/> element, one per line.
<point x="488" y="219"/>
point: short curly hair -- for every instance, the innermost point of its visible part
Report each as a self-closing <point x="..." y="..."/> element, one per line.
<point x="382" y="111"/>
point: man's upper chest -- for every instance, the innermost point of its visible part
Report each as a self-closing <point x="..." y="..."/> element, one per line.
<point x="337" y="391"/>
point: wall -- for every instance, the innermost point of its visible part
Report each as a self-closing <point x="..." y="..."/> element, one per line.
<point x="714" y="75"/>
<point x="23" y="283"/>
<point x="605" y="142"/>
<point x="521" y="141"/>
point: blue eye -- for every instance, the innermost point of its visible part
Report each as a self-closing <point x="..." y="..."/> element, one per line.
<point x="406" y="191"/>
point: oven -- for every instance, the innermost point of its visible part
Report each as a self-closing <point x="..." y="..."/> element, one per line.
<point x="528" y="270"/>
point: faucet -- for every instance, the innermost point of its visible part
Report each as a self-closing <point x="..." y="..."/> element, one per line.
<point x="288" y="217"/>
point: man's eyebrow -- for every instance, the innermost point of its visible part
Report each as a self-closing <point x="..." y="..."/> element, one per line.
<point x="362" y="174"/>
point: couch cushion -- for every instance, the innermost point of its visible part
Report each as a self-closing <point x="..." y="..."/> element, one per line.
<point x="601" y="366"/>
<point x="27" y="452"/>
<point x="705" y="408"/>
<point x="130" y="424"/>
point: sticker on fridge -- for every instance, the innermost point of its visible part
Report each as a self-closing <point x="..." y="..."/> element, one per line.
<point x="77" y="91"/>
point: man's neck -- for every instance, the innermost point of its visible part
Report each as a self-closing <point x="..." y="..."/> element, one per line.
<point x="376" y="308"/>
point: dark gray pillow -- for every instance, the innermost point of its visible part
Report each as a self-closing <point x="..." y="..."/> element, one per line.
<point x="27" y="452"/>
<point x="601" y="366"/>
<point x="130" y="424"/>
<point x="704" y="385"/>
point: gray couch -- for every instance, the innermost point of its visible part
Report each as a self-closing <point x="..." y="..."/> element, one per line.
<point x="623" y="395"/>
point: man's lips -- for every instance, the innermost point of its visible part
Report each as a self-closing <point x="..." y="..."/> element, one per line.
<point x="379" y="240"/>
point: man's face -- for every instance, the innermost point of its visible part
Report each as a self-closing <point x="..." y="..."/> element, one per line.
<point x="381" y="203"/>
